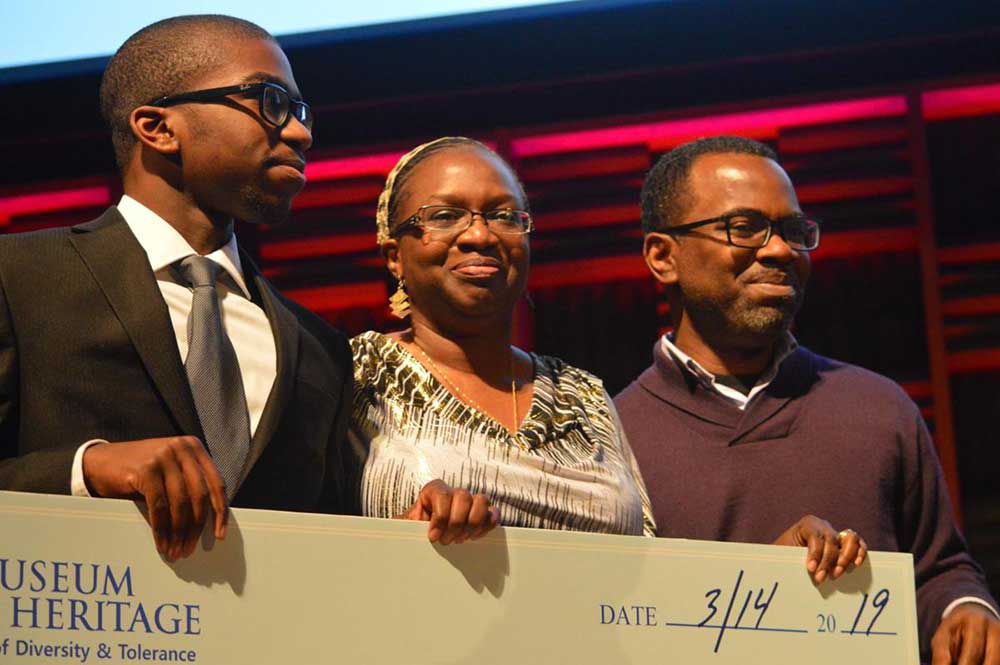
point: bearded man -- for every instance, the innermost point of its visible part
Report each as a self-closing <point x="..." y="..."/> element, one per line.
<point x="738" y="430"/>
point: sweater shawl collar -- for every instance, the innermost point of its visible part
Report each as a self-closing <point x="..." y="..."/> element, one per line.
<point x="771" y="413"/>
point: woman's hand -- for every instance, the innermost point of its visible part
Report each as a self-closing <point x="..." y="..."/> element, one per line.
<point x="830" y="554"/>
<point x="454" y="515"/>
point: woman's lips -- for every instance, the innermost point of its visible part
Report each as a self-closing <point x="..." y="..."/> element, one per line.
<point x="477" y="271"/>
<point x="477" y="268"/>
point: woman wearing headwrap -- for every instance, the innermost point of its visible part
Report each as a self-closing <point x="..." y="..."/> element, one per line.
<point x="451" y="397"/>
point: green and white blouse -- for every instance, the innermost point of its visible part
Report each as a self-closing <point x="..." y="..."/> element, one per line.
<point x="569" y="465"/>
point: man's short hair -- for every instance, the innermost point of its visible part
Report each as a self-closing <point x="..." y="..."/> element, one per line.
<point x="665" y="193"/>
<point x="162" y="59"/>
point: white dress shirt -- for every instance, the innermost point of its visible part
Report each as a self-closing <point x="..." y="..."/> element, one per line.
<point x="244" y="322"/>
<point x="785" y="348"/>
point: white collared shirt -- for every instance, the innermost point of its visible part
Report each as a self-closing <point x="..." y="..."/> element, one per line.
<point x="244" y="322"/>
<point x="786" y="347"/>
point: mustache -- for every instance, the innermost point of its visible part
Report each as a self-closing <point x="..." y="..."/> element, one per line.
<point x="296" y="163"/>
<point x="774" y="276"/>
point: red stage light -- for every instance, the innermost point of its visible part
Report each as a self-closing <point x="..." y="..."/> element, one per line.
<point x="351" y="167"/>
<point x="39" y="202"/>
<point x="669" y="133"/>
<point x="958" y="102"/>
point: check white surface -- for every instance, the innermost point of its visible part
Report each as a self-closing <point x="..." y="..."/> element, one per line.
<point x="287" y="587"/>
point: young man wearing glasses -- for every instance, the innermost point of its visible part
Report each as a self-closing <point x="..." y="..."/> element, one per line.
<point x="143" y="355"/>
<point x="738" y="430"/>
<point x="96" y="318"/>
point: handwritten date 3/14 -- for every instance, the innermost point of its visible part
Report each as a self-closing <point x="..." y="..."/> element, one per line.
<point x="745" y="607"/>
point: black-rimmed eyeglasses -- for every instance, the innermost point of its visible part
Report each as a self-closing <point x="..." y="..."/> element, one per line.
<point x="455" y="219"/>
<point x="276" y="104"/>
<point x="750" y="229"/>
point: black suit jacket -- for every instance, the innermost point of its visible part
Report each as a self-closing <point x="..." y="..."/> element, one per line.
<point x="87" y="351"/>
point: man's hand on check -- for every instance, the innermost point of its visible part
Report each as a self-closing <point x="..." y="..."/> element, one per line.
<point x="829" y="554"/>
<point x="177" y="479"/>
<point x="454" y="514"/>
<point x="969" y="635"/>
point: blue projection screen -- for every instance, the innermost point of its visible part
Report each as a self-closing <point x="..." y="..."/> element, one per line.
<point x="65" y="30"/>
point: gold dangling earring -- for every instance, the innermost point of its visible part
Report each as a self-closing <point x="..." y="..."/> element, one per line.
<point x="399" y="302"/>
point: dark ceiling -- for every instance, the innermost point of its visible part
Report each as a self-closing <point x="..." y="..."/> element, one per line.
<point x="578" y="61"/>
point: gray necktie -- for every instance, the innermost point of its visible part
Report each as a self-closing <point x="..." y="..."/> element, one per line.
<point x="214" y="374"/>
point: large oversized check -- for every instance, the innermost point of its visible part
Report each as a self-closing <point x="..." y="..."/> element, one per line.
<point x="80" y="581"/>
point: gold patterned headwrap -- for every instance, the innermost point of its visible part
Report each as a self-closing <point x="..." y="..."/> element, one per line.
<point x="382" y="212"/>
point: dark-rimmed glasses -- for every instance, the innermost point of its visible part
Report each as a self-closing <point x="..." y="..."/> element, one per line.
<point x="456" y="219"/>
<point x="750" y="229"/>
<point x="276" y="104"/>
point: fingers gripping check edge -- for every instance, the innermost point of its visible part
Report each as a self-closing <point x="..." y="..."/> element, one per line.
<point x="173" y="475"/>
<point x="454" y="514"/>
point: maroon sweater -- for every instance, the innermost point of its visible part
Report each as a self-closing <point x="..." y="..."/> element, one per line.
<point x="825" y="438"/>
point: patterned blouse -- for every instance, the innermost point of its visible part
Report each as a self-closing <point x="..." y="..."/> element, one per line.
<point x="567" y="467"/>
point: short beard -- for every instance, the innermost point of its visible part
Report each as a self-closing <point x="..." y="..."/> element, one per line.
<point x="766" y="320"/>
<point x="740" y="320"/>
<point x="260" y="211"/>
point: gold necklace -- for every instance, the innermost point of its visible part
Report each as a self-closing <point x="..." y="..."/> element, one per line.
<point x="461" y="394"/>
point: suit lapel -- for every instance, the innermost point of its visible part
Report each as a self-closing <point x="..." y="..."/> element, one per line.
<point x="286" y="331"/>
<point x="121" y="269"/>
